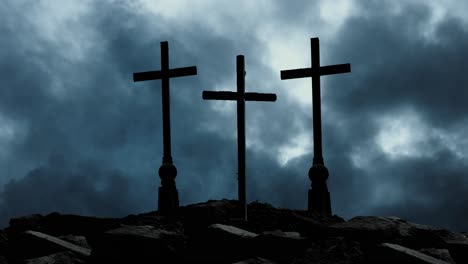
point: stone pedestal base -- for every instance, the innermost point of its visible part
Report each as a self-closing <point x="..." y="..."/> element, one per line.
<point x="168" y="199"/>
<point x="319" y="201"/>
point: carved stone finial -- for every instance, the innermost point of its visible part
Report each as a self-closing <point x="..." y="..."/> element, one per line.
<point x="167" y="172"/>
<point x="318" y="173"/>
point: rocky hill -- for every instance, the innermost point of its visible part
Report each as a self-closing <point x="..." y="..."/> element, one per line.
<point x="209" y="233"/>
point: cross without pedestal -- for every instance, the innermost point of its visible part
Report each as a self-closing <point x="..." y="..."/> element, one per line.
<point x="168" y="198"/>
<point x="240" y="96"/>
<point x="319" y="197"/>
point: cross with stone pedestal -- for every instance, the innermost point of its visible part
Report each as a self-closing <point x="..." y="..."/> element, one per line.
<point x="319" y="197"/>
<point x="240" y="96"/>
<point x="168" y="198"/>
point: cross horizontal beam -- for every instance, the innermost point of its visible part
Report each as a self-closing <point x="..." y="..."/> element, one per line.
<point x="233" y="96"/>
<point x="265" y="97"/>
<point x="311" y="72"/>
<point x="219" y="95"/>
<point x="157" y="75"/>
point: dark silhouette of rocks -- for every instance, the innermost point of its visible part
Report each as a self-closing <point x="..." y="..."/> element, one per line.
<point x="438" y="253"/>
<point x="210" y="233"/>
<point x="32" y="244"/>
<point x="399" y="254"/>
<point x="57" y="258"/>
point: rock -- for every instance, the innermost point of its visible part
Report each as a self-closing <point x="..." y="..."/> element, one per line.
<point x="136" y="244"/>
<point x="220" y="231"/>
<point x="320" y="219"/>
<point x="3" y="243"/>
<point x="211" y="210"/>
<point x="372" y="230"/>
<point x="308" y="224"/>
<point x="264" y="217"/>
<point x="29" y="222"/>
<point x="57" y="224"/>
<point x="32" y="244"/>
<point x="221" y="244"/>
<point x="393" y="253"/>
<point x="77" y="240"/>
<point x="439" y="253"/>
<point x="47" y="239"/>
<point x="154" y="219"/>
<point x="333" y="250"/>
<point x="278" y="234"/>
<point x="280" y="246"/>
<point x="381" y="229"/>
<point x="210" y="233"/>
<point x="256" y="260"/>
<point x="66" y="257"/>
<point x="456" y="243"/>
<point x="197" y="217"/>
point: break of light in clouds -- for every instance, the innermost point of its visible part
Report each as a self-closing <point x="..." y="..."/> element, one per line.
<point x="404" y="135"/>
<point x="73" y="124"/>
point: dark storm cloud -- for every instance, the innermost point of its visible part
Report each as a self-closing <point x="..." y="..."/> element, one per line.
<point x="77" y="128"/>
<point x="295" y="13"/>
<point x="433" y="190"/>
<point x="396" y="67"/>
<point x="103" y="118"/>
<point x="68" y="188"/>
<point x="98" y="143"/>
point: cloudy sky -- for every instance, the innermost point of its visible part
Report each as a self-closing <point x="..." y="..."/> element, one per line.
<point x="77" y="135"/>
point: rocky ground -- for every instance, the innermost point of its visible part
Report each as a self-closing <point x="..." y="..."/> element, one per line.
<point x="210" y="233"/>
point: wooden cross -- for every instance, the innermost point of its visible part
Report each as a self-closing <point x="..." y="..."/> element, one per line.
<point x="168" y="198"/>
<point x="319" y="197"/>
<point x="240" y="96"/>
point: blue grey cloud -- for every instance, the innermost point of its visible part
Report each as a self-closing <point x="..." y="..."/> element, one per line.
<point x="80" y="137"/>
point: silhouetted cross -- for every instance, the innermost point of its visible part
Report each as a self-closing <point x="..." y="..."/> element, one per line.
<point x="240" y="96"/>
<point x="319" y="197"/>
<point x="168" y="197"/>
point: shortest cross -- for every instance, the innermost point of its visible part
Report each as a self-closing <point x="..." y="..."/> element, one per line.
<point x="240" y="96"/>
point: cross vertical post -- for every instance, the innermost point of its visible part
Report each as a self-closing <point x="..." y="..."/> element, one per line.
<point x="240" y="97"/>
<point x="166" y="105"/>
<point x="316" y="95"/>
<point x="168" y="197"/>
<point x="319" y="196"/>
<point x="241" y="134"/>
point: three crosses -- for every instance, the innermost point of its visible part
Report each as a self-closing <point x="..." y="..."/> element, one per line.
<point x="318" y="198"/>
